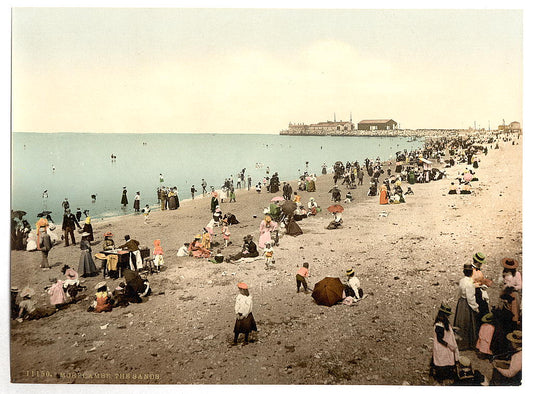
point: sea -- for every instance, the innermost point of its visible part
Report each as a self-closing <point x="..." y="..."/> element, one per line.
<point x="79" y="165"/>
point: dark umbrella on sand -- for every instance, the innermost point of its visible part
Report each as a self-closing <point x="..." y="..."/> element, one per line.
<point x="328" y="291"/>
<point x="288" y="207"/>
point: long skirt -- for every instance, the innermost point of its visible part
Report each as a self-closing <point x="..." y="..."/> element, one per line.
<point x="466" y="322"/>
<point x="172" y="203"/>
<point x="245" y="325"/>
<point x="136" y="204"/>
<point x="86" y="266"/>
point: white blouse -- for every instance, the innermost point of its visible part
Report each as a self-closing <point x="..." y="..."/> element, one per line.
<point x="243" y="305"/>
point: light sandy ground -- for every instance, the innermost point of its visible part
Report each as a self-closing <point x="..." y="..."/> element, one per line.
<point x="408" y="262"/>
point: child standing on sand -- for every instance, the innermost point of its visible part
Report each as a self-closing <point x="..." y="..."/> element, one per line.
<point x="225" y="232"/>
<point x="268" y="252"/>
<point x="302" y="273"/>
<point x="146" y="212"/>
<point x="158" y="255"/>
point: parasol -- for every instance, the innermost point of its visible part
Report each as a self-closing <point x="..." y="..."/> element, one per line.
<point x="335" y="208"/>
<point x="288" y="207"/>
<point x="468" y="177"/>
<point x="328" y="291"/>
<point x="277" y="198"/>
<point x="43" y="214"/>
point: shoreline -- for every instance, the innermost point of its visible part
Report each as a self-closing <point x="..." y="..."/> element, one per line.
<point x="408" y="263"/>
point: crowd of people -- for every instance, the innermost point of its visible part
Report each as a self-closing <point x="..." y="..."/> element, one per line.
<point x="493" y="332"/>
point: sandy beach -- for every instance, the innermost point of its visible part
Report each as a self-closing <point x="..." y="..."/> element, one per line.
<point x="408" y="262"/>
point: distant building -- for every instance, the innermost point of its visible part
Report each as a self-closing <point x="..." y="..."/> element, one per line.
<point x="377" y="124"/>
<point x="513" y="126"/>
<point x="321" y="128"/>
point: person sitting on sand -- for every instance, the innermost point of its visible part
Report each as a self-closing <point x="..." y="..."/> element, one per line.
<point x="467" y="376"/>
<point x="465" y="189"/>
<point x="409" y="190"/>
<point x="249" y="249"/>
<point x="218" y="258"/>
<point x="183" y="250"/>
<point x="28" y="309"/>
<point x="353" y="287"/>
<point x="197" y="250"/>
<point x="313" y="207"/>
<point x="336" y="222"/>
<point x="372" y="190"/>
<point x="231" y="218"/>
<point x="453" y="188"/>
<point x="299" y="213"/>
<point x="292" y="227"/>
<point x="509" y="373"/>
<point x="103" y="301"/>
<point x="348" y="198"/>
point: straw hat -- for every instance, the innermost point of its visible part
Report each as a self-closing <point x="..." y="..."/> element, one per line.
<point x="509" y="263"/>
<point x="100" y="256"/>
<point x="100" y="284"/>
<point x="197" y="236"/>
<point x="242" y="285"/>
<point x="108" y="234"/>
<point x="268" y="218"/>
<point x="350" y="272"/>
<point x="85" y="234"/>
<point x="445" y="309"/>
<point x="465" y="361"/>
<point x="14" y="289"/>
<point x="515" y="337"/>
<point x="27" y="292"/>
<point x="479" y="258"/>
<point x="488" y="318"/>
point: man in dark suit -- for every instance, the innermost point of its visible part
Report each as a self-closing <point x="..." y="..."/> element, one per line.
<point x="135" y="255"/>
<point x="69" y="224"/>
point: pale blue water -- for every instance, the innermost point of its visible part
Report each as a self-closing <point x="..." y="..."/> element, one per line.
<point x="83" y="164"/>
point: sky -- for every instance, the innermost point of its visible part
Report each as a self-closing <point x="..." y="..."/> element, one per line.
<point x="256" y="70"/>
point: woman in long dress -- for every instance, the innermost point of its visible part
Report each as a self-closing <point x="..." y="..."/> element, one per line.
<point x="88" y="228"/>
<point x="245" y="322"/>
<point x="267" y="225"/>
<point x="86" y="266"/>
<point x="383" y="195"/>
<point x="466" y="311"/>
<point x="124" y="199"/>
